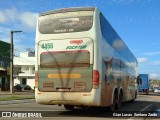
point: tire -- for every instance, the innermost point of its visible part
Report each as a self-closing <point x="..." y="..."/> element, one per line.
<point x="132" y="100"/>
<point x="113" y="106"/>
<point x="119" y="103"/>
<point x="69" y="107"/>
<point x="147" y="92"/>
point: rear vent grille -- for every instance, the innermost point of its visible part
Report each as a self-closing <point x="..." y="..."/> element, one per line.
<point x="80" y="85"/>
<point x="48" y="85"/>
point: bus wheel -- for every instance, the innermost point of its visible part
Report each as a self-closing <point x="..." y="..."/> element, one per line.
<point x="119" y="103"/>
<point x="113" y="106"/>
<point x="147" y="92"/>
<point x="132" y="100"/>
<point x="69" y="107"/>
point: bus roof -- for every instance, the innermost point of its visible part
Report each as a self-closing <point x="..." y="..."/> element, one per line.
<point x="68" y="10"/>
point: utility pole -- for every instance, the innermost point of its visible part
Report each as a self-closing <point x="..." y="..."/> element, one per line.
<point x="11" y="62"/>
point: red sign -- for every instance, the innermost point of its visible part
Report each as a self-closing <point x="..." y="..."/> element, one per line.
<point x="78" y="42"/>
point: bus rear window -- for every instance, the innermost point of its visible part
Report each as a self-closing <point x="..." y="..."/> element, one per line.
<point x="65" y="59"/>
<point x="66" y="22"/>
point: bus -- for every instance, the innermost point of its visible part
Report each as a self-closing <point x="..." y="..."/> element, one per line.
<point x="81" y="61"/>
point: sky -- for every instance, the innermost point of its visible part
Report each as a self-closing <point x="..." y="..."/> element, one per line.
<point x="136" y="21"/>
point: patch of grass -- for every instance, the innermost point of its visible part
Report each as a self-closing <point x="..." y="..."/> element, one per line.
<point x="16" y="98"/>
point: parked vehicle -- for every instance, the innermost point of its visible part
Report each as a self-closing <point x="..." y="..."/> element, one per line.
<point x="151" y="89"/>
<point x="157" y="90"/>
<point x="27" y="87"/>
<point x="143" y="85"/>
<point x="20" y="87"/>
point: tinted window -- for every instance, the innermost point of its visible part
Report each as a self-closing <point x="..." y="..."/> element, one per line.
<point x="66" y="22"/>
<point x="65" y="59"/>
<point x="113" y="39"/>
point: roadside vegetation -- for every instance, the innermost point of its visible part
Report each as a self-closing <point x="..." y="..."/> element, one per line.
<point x="16" y="97"/>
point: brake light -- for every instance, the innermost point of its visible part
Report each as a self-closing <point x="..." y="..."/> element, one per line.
<point x="36" y="78"/>
<point x="95" y="79"/>
<point x="78" y="42"/>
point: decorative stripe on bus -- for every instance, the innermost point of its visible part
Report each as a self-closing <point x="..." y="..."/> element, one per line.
<point x="64" y="75"/>
<point x="65" y="51"/>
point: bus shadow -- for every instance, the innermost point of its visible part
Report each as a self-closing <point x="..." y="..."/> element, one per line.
<point x="88" y="112"/>
<point x="127" y="108"/>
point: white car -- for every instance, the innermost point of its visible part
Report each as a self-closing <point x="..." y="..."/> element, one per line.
<point x="157" y="90"/>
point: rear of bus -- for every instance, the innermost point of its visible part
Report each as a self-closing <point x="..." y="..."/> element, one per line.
<point x="66" y="73"/>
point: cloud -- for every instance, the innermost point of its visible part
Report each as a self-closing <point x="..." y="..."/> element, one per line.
<point x="8" y="15"/>
<point x="5" y="35"/>
<point x="28" y="19"/>
<point x="4" y="30"/>
<point x="12" y="16"/>
<point x="154" y="76"/>
<point x="155" y="63"/>
<point x="2" y="17"/>
<point x="12" y="19"/>
<point x="142" y="60"/>
<point x="152" y="53"/>
<point x="118" y="44"/>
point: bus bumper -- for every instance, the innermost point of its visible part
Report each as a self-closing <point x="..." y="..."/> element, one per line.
<point x="68" y="98"/>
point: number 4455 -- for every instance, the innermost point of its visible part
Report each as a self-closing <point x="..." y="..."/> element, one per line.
<point x="47" y="46"/>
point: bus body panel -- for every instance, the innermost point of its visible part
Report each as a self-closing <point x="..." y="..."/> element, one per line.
<point x="117" y="67"/>
<point x="118" y="64"/>
<point x="66" y="79"/>
<point x="67" y="73"/>
<point x="62" y="45"/>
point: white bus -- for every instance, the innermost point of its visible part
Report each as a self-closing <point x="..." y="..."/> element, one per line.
<point x="82" y="61"/>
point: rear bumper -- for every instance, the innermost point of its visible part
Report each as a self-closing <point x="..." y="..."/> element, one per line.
<point x="68" y="98"/>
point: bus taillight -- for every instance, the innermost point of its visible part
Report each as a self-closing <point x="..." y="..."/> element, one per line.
<point x="36" y="78"/>
<point x="95" y="79"/>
